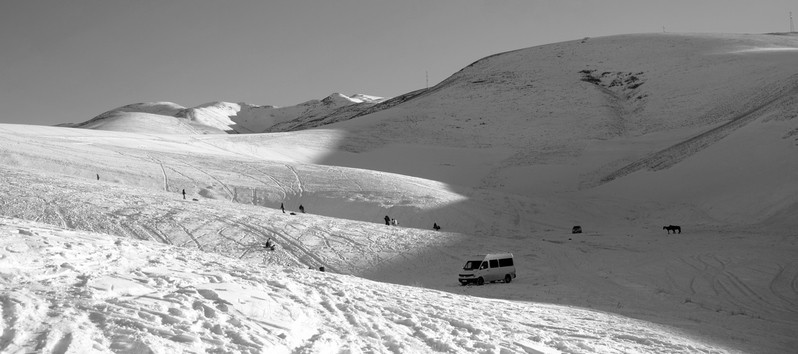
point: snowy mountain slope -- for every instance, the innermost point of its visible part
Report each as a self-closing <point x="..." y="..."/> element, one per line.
<point x="641" y="278"/>
<point x="160" y="108"/>
<point x="148" y="117"/>
<point x="87" y="292"/>
<point x="229" y="117"/>
<point x="245" y="118"/>
<point x="571" y="116"/>
<point x="726" y="279"/>
<point x="307" y="121"/>
<point x="562" y="96"/>
<point x="622" y="264"/>
<point x="234" y="168"/>
<point x="551" y="159"/>
<point x="745" y="176"/>
<point x="138" y="122"/>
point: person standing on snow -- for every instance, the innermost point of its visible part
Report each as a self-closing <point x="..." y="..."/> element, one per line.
<point x="282" y="208"/>
<point x="387" y="220"/>
<point x="184" y="194"/>
<point x="301" y="208"/>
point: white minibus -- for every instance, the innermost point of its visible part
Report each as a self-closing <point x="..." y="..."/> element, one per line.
<point x="488" y="268"/>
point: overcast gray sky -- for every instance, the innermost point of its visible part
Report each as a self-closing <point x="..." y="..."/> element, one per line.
<point x="68" y="61"/>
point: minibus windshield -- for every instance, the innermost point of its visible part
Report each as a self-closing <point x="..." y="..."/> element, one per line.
<point x="472" y="265"/>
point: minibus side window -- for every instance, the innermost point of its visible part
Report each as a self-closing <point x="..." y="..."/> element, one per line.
<point x="494" y="263"/>
<point x="506" y="262"/>
<point x="484" y="265"/>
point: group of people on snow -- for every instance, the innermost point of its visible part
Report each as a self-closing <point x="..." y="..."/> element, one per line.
<point x="301" y="208"/>
<point x="390" y="221"/>
<point x="393" y="222"/>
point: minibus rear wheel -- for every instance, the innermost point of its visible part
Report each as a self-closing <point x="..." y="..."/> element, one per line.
<point x="508" y="278"/>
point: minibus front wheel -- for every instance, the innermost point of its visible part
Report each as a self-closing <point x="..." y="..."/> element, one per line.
<point x="480" y="281"/>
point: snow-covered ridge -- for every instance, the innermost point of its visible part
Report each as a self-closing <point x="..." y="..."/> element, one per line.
<point x="366" y="98"/>
<point x="162" y="108"/>
<point x="141" y="122"/>
<point x="241" y="118"/>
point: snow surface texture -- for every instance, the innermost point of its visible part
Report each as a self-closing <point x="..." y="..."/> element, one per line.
<point x="506" y="155"/>
<point x="79" y="292"/>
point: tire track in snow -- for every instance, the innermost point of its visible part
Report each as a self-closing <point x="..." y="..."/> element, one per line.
<point x="163" y="171"/>
<point x="785" y="286"/>
<point x="290" y="241"/>
<point x="277" y="182"/>
<point x="191" y="236"/>
<point x="300" y="188"/>
<point x="60" y="213"/>
<point x="247" y="247"/>
<point x="728" y="286"/>
<point x="151" y="231"/>
<point x="366" y="255"/>
<point x="230" y="192"/>
<point x="221" y="231"/>
<point x="274" y="180"/>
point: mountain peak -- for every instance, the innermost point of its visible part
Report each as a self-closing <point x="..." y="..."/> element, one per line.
<point x="338" y="99"/>
<point x="238" y="118"/>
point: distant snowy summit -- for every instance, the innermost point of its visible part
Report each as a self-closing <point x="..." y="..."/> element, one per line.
<point x="227" y="117"/>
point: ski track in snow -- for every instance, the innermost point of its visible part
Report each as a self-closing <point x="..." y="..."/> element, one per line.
<point x="163" y="172"/>
<point x="298" y="180"/>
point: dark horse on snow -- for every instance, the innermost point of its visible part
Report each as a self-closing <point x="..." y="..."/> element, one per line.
<point x="673" y="228"/>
